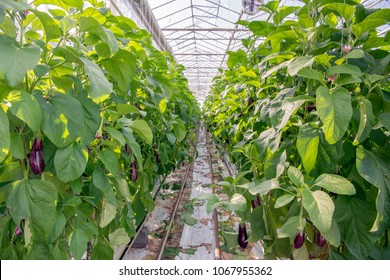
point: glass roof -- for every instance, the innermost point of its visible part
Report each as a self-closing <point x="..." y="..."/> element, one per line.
<point x="201" y="31"/>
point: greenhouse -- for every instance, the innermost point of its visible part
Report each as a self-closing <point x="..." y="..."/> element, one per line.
<point x="195" y="130"/>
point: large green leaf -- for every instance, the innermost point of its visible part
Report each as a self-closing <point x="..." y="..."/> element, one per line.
<point x="143" y="130"/>
<point x="25" y="107"/>
<point x="275" y="164"/>
<point x="180" y="130"/>
<point x="99" y="88"/>
<point x="320" y="208"/>
<point x="118" y="237"/>
<point x="385" y="120"/>
<point x="108" y="214"/>
<point x="236" y="203"/>
<point x="308" y="140"/>
<point x="121" y="67"/>
<point x="375" y="170"/>
<point x="263" y="187"/>
<point x="5" y="135"/>
<point x="366" y="121"/>
<point x="63" y="119"/>
<point x="91" y="112"/>
<point x="110" y="160"/>
<point x="335" y="183"/>
<point x="34" y="200"/>
<point x="291" y="227"/>
<point x="65" y="4"/>
<point x="355" y="217"/>
<point x="335" y="112"/>
<point x="295" y="176"/>
<point x="16" y="60"/>
<point x="92" y="25"/>
<point x="345" y="69"/>
<point x="134" y="146"/>
<point x="70" y="162"/>
<point x="345" y="10"/>
<point x="311" y="74"/>
<point x="78" y="243"/>
<point x="299" y="63"/>
<point x="259" y="28"/>
<point x="236" y="58"/>
<point x="51" y="27"/>
<point x="101" y="181"/>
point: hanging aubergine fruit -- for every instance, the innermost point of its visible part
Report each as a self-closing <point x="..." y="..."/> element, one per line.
<point x="256" y="202"/>
<point x="18" y="231"/>
<point x="321" y="241"/>
<point x="242" y="236"/>
<point x="156" y="154"/>
<point x="36" y="160"/>
<point x="299" y="239"/>
<point x="127" y="149"/>
<point x="134" y="171"/>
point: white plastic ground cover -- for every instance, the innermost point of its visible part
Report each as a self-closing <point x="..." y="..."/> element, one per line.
<point x="201" y="235"/>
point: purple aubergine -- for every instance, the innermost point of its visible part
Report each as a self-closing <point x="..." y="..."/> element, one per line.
<point x="242" y="236"/>
<point x="250" y="101"/>
<point x="256" y="202"/>
<point x="18" y="231"/>
<point x="299" y="239"/>
<point x="134" y="171"/>
<point x="36" y="159"/>
<point x="321" y="241"/>
<point x="157" y="155"/>
<point x="127" y="149"/>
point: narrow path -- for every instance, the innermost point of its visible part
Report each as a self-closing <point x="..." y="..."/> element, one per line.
<point x="199" y="236"/>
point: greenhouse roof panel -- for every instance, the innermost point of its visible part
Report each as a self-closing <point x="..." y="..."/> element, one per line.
<point x="200" y="33"/>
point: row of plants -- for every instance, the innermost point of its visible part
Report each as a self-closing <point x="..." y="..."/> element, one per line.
<point x="304" y="112"/>
<point x="92" y="115"/>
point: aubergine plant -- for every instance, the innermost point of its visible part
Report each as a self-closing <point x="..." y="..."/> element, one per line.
<point x="304" y="112"/>
<point x="91" y="116"/>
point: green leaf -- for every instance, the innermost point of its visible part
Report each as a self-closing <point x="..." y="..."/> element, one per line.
<point x="78" y="243"/>
<point x="275" y="164"/>
<point x="16" y="148"/>
<point x="70" y="162"/>
<point x="295" y="176"/>
<point x="269" y="138"/>
<point x="171" y="138"/>
<point x="375" y="170"/>
<point x="355" y="217"/>
<point x="91" y="112"/>
<point x="345" y="10"/>
<point x="308" y="140"/>
<point x="51" y="27"/>
<point x="291" y="227"/>
<point x="102" y="250"/>
<point x="34" y="200"/>
<point x="124" y="109"/>
<point x="110" y="160"/>
<point x="333" y="235"/>
<point x="259" y="28"/>
<point x="16" y="60"/>
<point x="143" y="130"/>
<point x="336" y="184"/>
<point x="367" y="24"/>
<point x="108" y="214"/>
<point x="299" y="63"/>
<point x="235" y="58"/>
<point x="5" y="141"/>
<point x="99" y="88"/>
<point x="41" y="70"/>
<point x="263" y="187"/>
<point x="283" y="200"/>
<point x="236" y="203"/>
<point x="258" y="229"/>
<point x="134" y="146"/>
<point x="212" y="201"/>
<point x="311" y="74"/>
<point x="180" y="130"/>
<point x="101" y="181"/>
<point x="116" y="135"/>
<point x="345" y="69"/>
<point x="122" y="68"/>
<point x="385" y="120"/>
<point x="118" y="237"/>
<point x="162" y="105"/>
<point x="335" y="112"/>
<point x="63" y="119"/>
<point x="320" y="208"/>
<point x="65" y="4"/>
<point x="123" y="187"/>
<point x="367" y="121"/>
<point x="25" y="107"/>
